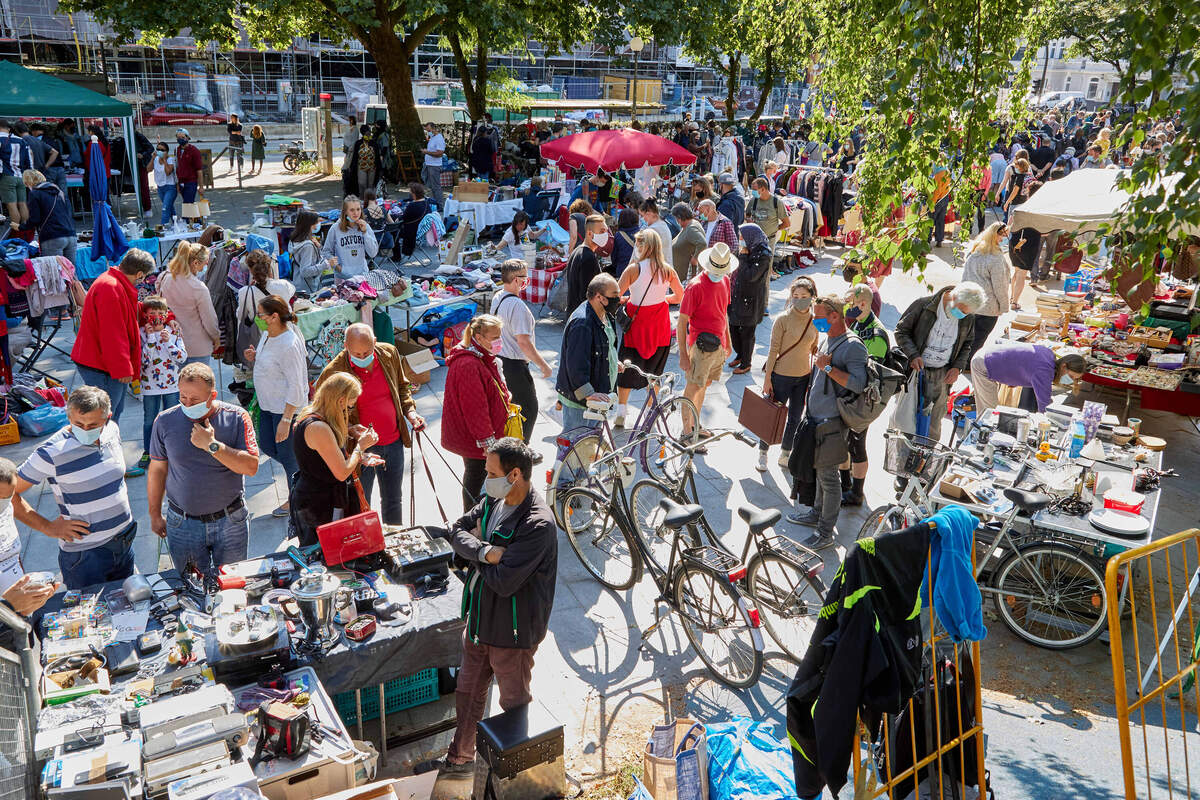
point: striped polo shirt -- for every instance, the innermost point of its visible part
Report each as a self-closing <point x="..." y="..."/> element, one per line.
<point x="88" y="482"/>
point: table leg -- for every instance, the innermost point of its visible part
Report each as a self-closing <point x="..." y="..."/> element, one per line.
<point x="358" y="711"/>
<point x="382" y="723"/>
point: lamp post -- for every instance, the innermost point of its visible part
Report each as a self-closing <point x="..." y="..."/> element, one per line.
<point x="635" y="45"/>
<point x="103" y="40"/>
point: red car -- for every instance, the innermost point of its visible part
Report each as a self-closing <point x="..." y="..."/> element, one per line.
<point x="183" y="114"/>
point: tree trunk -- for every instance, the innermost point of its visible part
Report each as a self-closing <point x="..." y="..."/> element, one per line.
<point x="768" y="83"/>
<point x="395" y="75"/>
<point x="732" y="79"/>
<point x="475" y="99"/>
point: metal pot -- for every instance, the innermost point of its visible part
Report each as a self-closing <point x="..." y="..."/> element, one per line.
<point x="314" y="593"/>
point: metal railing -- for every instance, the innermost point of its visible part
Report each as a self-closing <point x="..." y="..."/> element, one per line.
<point x="19" y="704"/>
<point x="1155" y="647"/>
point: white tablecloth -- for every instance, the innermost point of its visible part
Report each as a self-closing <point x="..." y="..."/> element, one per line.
<point x="481" y="215"/>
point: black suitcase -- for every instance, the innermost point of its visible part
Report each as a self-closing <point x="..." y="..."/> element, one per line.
<point x="520" y="756"/>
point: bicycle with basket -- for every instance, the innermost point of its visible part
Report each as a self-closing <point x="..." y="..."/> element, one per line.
<point x="1047" y="586"/>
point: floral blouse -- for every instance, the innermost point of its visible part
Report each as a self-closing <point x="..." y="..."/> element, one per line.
<point x="161" y="361"/>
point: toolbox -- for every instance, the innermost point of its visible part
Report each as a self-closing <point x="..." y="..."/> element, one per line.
<point x="521" y="753"/>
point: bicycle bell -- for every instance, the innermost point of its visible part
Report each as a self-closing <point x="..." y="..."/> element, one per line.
<point x="315" y="595"/>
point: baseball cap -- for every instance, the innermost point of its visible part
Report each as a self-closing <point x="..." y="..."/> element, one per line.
<point x="183" y="132"/>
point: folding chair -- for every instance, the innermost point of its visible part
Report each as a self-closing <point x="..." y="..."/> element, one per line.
<point x="43" y="335"/>
<point x="394" y="229"/>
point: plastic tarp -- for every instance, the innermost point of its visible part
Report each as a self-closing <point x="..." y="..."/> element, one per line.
<point x="748" y="759"/>
<point x="1080" y="202"/>
<point x="29" y="93"/>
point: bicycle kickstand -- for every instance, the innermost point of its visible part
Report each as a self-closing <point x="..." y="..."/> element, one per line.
<point x="657" y="621"/>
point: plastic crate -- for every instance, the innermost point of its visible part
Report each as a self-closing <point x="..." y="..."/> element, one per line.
<point x="398" y="694"/>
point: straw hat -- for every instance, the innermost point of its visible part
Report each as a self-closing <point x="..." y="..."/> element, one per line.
<point x="718" y="260"/>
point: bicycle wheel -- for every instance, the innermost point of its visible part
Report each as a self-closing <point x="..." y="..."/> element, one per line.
<point x="573" y="470"/>
<point x="644" y="499"/>
<point x="716" y="619"/>
<point x="1051" y="596"/>
<point x="291" y="162"/>
<point x="788" y="600"/>
<point x="602" y="544"/>
<point x="660" y="454"/>
<point x="883" y="519"/>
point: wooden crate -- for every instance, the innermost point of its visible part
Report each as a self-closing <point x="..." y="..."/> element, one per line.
<point x="1151" y="337"/>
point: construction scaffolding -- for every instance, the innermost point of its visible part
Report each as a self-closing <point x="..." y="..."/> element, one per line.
<point x="273" y="85"/>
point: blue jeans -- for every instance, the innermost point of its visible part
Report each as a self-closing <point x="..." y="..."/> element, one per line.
<point x="280" y="451"/>
<point x="188" y="191"/>
<point x="152" y="404"/>
<point x="102" y="380"/>
<point x="111" y="561"/>
<point x="939" y="219"/>
<point x="391" y="481"/>
<point x="792" y="393"/>
<point x="62" y="246"/>
<point x="168" y="194"/>
<point x="208" y="545"/>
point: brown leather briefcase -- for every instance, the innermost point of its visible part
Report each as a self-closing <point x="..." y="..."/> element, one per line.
<point x="763" y="417"/>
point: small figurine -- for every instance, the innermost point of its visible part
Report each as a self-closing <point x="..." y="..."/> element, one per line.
<point x="183" y="642"/>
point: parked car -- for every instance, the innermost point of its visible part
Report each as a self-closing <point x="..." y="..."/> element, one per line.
<point x="183" y="114"/>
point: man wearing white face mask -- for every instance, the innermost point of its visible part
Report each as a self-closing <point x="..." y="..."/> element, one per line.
<point x="200" y="451"/>
<point x="509" y="541"/>
<point x="583" y="263"/>
<point x="86" y="471"/>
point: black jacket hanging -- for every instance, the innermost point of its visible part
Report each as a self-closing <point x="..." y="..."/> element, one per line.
<point x="865" y="653"/>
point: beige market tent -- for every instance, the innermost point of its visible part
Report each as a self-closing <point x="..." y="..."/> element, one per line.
<point x="1078" y="203"/>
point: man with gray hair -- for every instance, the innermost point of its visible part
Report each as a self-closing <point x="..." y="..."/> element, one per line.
<point x="688" y="244"/>
<point x="936" y="333"/>
<point x="86" y="471"/>
<point x="385" y="405"/>
<point x="717" y="226"/>
<point x="200" y="453"/>
<point x="731" y="203"/>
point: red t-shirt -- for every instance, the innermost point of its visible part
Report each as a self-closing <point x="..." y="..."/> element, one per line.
<point x="706" y="304"/>
<point x="375" y="406"/>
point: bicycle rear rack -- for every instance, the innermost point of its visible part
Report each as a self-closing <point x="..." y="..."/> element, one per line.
<point x="716" y="560"/>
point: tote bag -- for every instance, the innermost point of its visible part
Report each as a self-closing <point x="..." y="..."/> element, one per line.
<point x="675" y="763"/>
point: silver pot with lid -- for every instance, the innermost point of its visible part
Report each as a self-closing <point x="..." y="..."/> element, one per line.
<point x="314" y="593"/>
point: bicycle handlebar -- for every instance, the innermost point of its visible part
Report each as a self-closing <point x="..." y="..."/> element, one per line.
<point x="658" y="380"/>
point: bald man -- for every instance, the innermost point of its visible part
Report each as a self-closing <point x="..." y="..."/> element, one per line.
<point x="385" y="404"/>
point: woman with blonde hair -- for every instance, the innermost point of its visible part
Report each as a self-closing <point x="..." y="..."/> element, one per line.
<point x="351" y="242"/>
<point x="475" y="401"/>
<point x="987" y="265"/>
<point x="191" y="302"/>
<point x="323" y="467"/>
<point x="652" y="287"/>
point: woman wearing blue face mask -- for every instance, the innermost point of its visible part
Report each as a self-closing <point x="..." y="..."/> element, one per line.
<point x="794" y="339"/>
<point x="191" y="301"/>
<point x="280" y="383"/>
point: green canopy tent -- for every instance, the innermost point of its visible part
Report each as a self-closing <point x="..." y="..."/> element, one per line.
<point x="29" y="93"/>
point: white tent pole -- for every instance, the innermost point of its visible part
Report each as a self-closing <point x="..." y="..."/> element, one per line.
<point x="131" y="155"/>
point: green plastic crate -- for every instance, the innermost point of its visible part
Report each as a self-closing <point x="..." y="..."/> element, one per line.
<point x="398" y="694"/>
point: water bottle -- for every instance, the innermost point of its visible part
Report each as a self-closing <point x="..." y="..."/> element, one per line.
<point x="1077" y="438"/>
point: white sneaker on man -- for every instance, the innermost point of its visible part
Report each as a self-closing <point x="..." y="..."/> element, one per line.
<point x="761" y="466"/>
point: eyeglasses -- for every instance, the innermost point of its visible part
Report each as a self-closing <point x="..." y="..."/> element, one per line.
<point x="157" y="318"/>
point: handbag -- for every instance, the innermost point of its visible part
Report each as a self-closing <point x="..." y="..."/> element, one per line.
<point x="675" y="762"/>
<point x="514" y="425"/>
<point x="352" y="537"/>
<point x="762" y="416"/>
<point x="623" y="319"/>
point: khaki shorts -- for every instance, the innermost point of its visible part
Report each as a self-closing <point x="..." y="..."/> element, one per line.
<point x="706" y="367"/>
<point x="12" y="189"/>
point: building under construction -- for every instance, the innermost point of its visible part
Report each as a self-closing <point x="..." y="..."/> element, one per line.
<point x="273" y="85"/>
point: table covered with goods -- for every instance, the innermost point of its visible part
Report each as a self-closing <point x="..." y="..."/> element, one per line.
<point x="1150" y="355"/>
<point x="265" y="675"/>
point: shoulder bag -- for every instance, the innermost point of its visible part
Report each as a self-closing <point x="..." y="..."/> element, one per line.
<point x="514" y="425"/>
<point x="793" y="345"/>
<point x="622" y="319"/>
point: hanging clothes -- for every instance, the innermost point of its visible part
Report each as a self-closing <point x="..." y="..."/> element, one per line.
<point x="864" y="656"/>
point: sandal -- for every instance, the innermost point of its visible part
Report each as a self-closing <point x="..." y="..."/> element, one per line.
<point x="742" y="370"/>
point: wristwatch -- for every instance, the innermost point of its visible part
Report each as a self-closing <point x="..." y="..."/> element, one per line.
<point x="214" y="447"/>
<point x="827" y="369"/>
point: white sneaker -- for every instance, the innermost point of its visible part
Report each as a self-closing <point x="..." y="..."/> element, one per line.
<point x="618" y="422"/>
<point x="784" y="457"/>
<point x="761" y="466"/>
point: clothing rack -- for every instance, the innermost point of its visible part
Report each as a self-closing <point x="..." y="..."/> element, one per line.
<point x="814" y="167"/>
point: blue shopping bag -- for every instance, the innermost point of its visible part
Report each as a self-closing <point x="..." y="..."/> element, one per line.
<point x="43" y="420"/>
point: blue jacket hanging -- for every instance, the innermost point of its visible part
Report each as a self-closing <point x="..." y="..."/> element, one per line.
<point x="956" y="597"/>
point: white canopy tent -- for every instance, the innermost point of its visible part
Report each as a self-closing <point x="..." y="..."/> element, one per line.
<point x="1078" y="203"/>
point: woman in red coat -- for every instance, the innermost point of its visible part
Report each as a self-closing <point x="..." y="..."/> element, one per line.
<point x="475" y="403"/>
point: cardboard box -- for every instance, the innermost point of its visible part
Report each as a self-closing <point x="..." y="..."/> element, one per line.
<point x="419" y="361"/>
<point x="958" y="486"/>
<point x="472" y="192"/>
<point x="203" y="786"/>
<point x="414" y="787"/>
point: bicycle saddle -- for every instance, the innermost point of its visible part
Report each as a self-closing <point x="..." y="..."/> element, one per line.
<point x="677" y="515"/>
<point x="1029" y="502"/>
<point x="759" y="519"/>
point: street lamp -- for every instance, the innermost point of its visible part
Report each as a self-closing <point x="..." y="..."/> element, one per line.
<point x="103" y="39"/>
<point x="636" y="44"/>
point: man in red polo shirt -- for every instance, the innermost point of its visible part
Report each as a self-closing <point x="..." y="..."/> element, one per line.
<point x="385" y="404"/>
